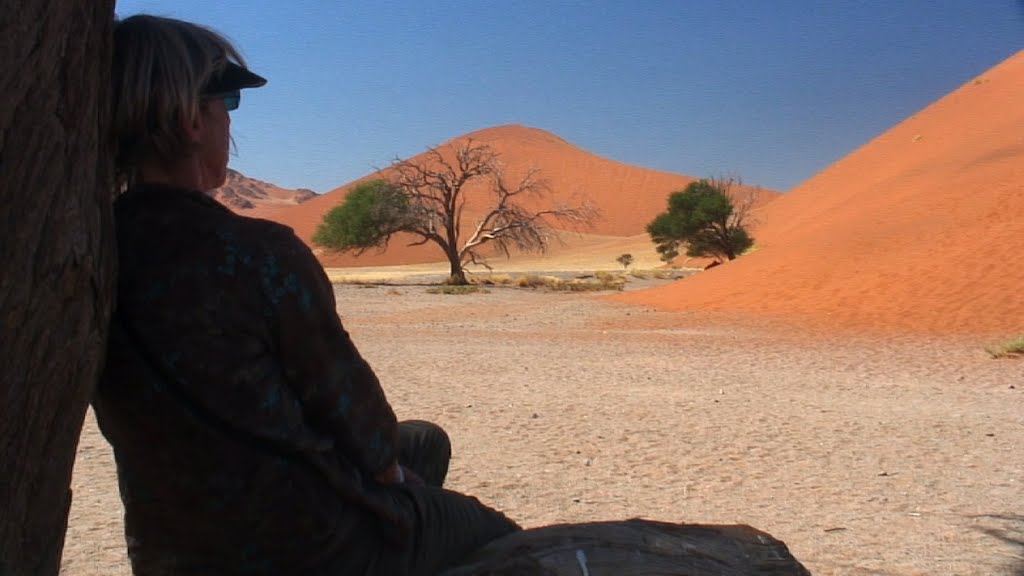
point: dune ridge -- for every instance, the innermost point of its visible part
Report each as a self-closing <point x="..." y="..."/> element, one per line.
<point x="919" y="230"/>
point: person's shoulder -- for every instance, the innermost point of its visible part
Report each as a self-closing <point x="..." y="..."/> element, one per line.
<point x="166" y="199"/>
<point x="270" y="238"/>
<point x="266" y="231"/>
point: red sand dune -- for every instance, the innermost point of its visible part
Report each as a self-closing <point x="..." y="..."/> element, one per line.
<point x="628" y="196"/>
<point x="922" y="229"/>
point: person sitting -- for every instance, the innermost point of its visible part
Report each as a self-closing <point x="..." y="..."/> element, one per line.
<point x="250" y="435"/>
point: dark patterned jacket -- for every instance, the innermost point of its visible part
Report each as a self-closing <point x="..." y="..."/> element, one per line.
<point x="246" y="426"/>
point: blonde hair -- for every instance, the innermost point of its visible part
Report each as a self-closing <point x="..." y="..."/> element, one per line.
<point x="160" y="68"/>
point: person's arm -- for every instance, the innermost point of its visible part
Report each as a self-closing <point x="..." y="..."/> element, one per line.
<point x="339" y="391"/>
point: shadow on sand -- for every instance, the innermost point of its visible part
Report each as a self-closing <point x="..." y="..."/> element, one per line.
<point x="1010" y="530"/>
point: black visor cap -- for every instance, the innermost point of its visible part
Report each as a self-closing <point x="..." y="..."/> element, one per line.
<point x="233" y="77"/>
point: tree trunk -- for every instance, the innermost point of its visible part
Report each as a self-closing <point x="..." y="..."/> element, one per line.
<point x="56" y="253"/>
<point x="457" y="275"/>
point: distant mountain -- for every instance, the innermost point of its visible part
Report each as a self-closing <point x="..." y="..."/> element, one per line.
<point x="241" y="193"/>
<point x="921" y="229"/>
<point x="628" y="197"/>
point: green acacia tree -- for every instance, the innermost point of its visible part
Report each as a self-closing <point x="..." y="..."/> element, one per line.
<point x="706" y="219"/>
<point x="369" y="214"/>
<point x="426" y="196"/>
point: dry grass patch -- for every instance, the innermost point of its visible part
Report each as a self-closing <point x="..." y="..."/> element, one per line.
<point x="584" y="283"/>
<point x="599" y="280"/>
<point x="529" y="281"/>
<point x="1009" y="349"/>
<point x="656" y="273"/>
<point x="578" y="285"/>
<point x="360" y="282"/>
<point x="457" y="289"/>
<point x="494" y="280"/>
<point x="598" y="283"/>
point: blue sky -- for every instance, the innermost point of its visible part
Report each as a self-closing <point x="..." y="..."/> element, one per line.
<point x="772" y="91"/>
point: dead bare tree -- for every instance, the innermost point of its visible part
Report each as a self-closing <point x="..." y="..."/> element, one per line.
<point x="436" y="191"/>
<point x="56" y="249"/>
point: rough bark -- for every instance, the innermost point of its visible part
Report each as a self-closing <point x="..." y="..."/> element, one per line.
<point x="56" y="260"/>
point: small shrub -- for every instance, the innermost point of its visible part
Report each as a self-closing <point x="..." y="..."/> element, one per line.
<point x="1010" y="349"/>
<point x="625" y="260"/>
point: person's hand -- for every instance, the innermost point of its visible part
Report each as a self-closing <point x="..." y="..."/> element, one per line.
<point x="393" y="474"/>
<point x="411" y="477"/>
<point x="397" y="474"/>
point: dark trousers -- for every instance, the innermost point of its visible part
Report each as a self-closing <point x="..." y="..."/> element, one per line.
<point x="424" y="448"/>
<point x="447" y="526"/>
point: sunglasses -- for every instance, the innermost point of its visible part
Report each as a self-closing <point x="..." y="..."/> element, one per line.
<point x="231" y="99"/>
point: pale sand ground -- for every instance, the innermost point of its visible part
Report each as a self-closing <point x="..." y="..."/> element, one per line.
<point x="896" y="456"/>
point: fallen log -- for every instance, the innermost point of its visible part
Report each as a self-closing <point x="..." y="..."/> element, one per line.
<point x="634" y="548"/>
